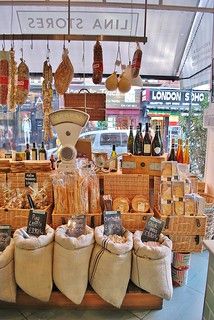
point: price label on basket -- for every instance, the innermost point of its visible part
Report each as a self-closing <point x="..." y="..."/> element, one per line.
<point x="36" y="222"/>
<point x="30" y="178"/>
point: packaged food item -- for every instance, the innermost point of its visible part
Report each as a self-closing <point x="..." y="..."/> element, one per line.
<point x="166" y="207"/>
<point x="194" y="204"/>
<point x="121" y="204"/>
<point x="166" y="190"/>
<point x="180" y="188"/>
<point x="140" y="204"/>
<point x="169" y="170"/>
<point x="179" y="208"/>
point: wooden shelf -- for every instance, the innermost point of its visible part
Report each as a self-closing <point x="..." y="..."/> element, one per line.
<point x="134" y="299"/>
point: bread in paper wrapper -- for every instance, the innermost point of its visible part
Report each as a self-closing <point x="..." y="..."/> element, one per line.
<point x="121" y="204"/>
<point x="140" y="204"/>
<point x="194" y="205"/>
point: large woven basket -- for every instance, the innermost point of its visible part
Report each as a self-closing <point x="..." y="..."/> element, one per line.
<point x="209" y="212"/>
<point x="92" y="220"/>
<point x="186" y="243"/>
<point x="18" y="218"/>
<point x="92" y="103"/>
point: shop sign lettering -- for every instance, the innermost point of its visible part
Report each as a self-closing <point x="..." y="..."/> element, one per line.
<point x="171" y="96"/>
<point x="81" y="22"/>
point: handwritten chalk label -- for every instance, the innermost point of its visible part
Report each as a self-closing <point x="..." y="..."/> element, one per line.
<point x="36" y="222"/>
<point x="30" y="178"/>
<point x="76" y="226"/>
<point x="112" y="223"/>
<point x="152" y="230"/>
<point x="5" y="236"/>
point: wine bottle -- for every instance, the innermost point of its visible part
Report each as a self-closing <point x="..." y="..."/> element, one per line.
<point x="138" y="142"/>
<point x="27" y="152"/>
<point x="53" y="162"/>
<point x="186" y="157"/>
<point x="179" y="154"/>
<point x="113" y="160"/>
<point x="42" y="152"/>
<point x="34" y="152"/>
<point x="157" y="145"/>
<point x="130" y="143"/>
<point x="172" y="154"/>
<point x="147" y="142"/>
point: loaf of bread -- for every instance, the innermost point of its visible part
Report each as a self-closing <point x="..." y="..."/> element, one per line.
<point x="121" y="204"/>
<point x="166" y="190"/>
<point x="140" y="204"/>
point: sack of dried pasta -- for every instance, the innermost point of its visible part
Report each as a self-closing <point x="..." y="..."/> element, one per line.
<point x="33" y="263"/>
<point x="110" y="265"/>
<point x="151" y="265"/>
<point x="71" y="262"/>
<point x="7" y="278"/>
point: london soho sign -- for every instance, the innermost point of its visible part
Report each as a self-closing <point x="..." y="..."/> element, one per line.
<point x="81" y="22"/>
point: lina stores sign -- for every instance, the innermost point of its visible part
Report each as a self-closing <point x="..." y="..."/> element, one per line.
<point x="173" y="97"/>
<point x="81" y="22"/>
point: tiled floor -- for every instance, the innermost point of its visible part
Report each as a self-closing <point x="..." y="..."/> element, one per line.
<point x="186" y="304"/>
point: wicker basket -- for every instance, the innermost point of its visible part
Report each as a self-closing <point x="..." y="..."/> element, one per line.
<point x="126" y="185"/>
<point x="209" y="212"/>
<point x="18" y="218"/>
<point x="133" y="221"/>
<point x="183" y="243"/>
<point x="17" y="180"/>
<point x="92" y="103"/>
<point x="157" y="183"/>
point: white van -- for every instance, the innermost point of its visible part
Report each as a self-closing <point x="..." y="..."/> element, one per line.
<point x="102" y="140"/>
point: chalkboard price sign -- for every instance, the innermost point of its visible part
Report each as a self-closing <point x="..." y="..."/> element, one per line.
<point x="5" y="236"/>
<point x="152" y="230"/>
<point x="112" y="223"/>
<point x="30" y="178"/>
<point x="36" y="222"/>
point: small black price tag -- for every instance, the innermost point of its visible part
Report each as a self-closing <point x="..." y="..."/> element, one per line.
<point x="30" y="178"/>
<point x="36" y="222"/>
<point x="76" y="226"/>
<point x="112" y="223"/>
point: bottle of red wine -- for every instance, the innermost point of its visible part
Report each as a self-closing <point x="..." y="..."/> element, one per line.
<point x="147" y="142"/>
<point x="138" y="142"/>
<point x="172" y="154"/>
<point x="157" y="145"/>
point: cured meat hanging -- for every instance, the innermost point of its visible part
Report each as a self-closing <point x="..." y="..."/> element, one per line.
<point x="4" y="76"/>
<point x="22" y="83"/>
<point x="97" y="64"/>
<point x="64" y="73"/>
<point x="47" y="92"/>
<point x="11" y="97"/>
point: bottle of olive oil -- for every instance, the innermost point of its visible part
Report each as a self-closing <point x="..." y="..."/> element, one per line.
<point x="34" y="152"/>
<point x="42" y="152"/>
<point x="147" y="142"/>
<point x="113" y="160"/>
<point x="130" y="143"/>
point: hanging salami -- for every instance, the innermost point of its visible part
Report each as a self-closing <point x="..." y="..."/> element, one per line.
<point x="136" y="62"/>
<point x="47" y="92"/>
<point x="11" y="98"/>
<point x="22" y="83"/>
<point x="97" y="63"/>
<point x="4" y="76"/>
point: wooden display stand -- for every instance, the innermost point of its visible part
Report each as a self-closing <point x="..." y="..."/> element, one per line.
<point x="135" y="299"/>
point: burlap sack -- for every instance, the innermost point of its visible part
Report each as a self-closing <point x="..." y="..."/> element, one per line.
<point x="110" y="267"/>
<point x="71" y="263"/>
<point x="7" y="278"/>
<point x="151" y="266"/>
<point x="33" y="263"/>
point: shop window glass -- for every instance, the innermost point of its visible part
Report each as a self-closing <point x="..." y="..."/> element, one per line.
<point x="110" y="139"/>
<point x="124" y="139"/>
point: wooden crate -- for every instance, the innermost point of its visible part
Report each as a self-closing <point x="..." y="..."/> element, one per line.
<point x="142" y="164"/>
<point x="126" y="185"/>
<point x="187" y="243"/>
<point x="18" y="218"/>
<point x="135" y="298"/>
